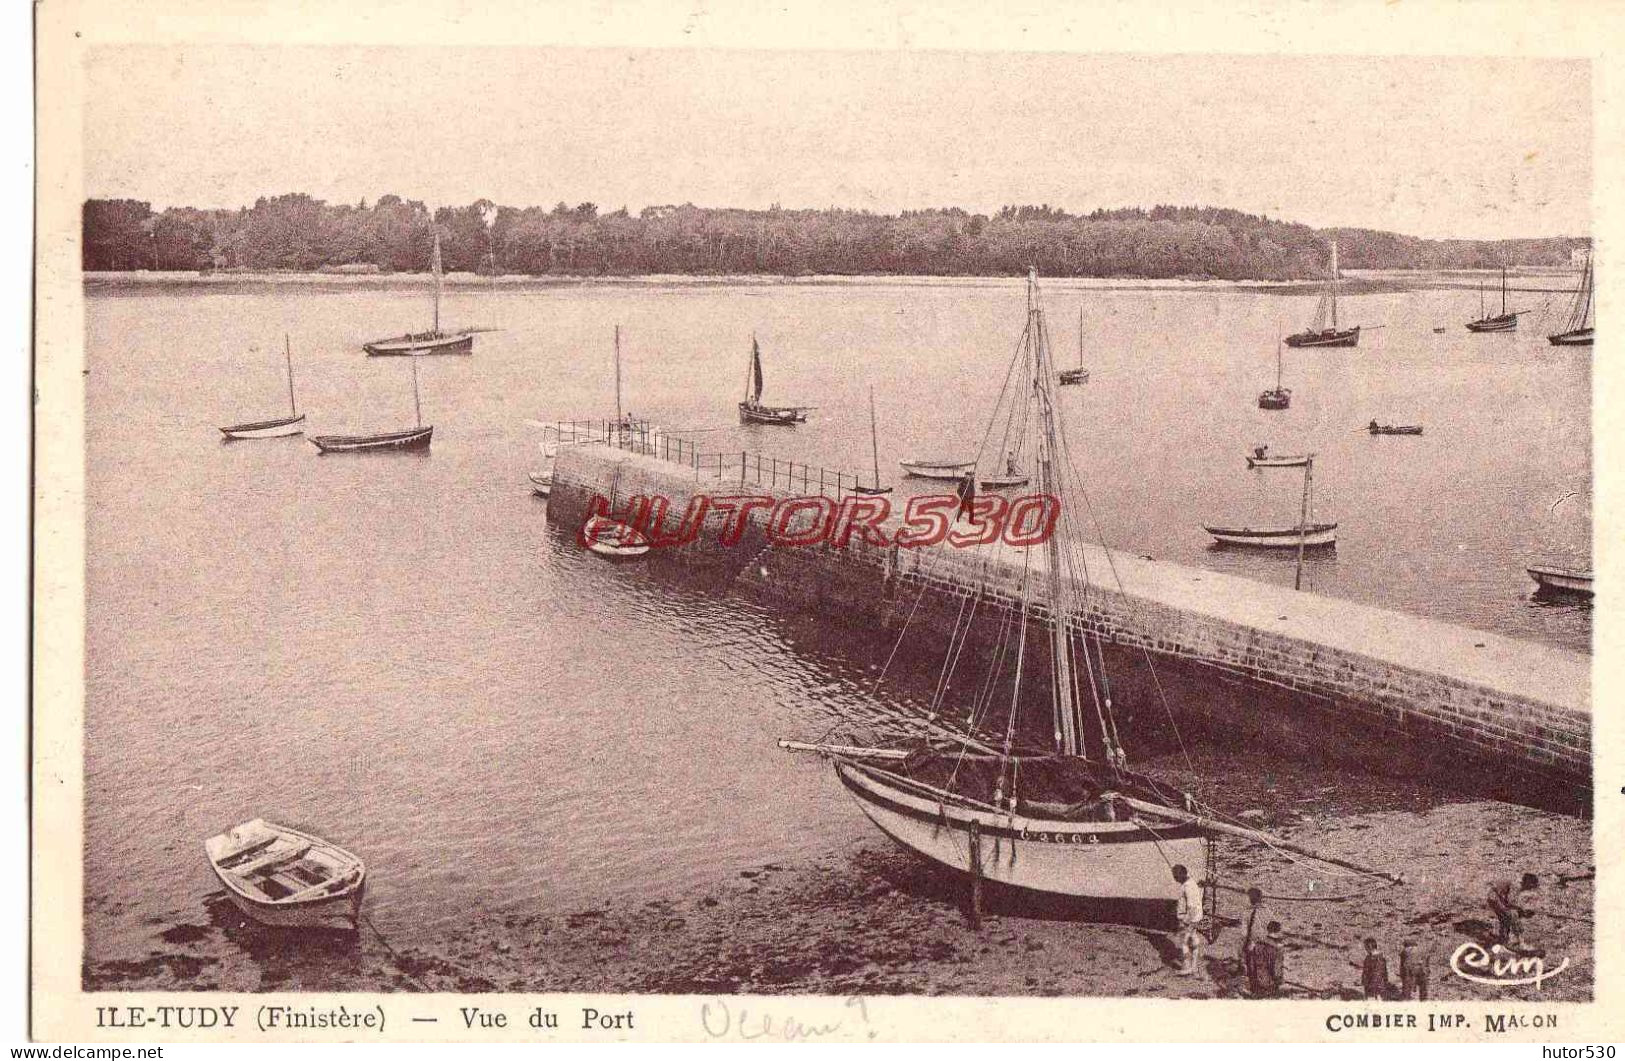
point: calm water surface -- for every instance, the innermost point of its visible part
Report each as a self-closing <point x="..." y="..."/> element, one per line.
<point x="398" y="652"/>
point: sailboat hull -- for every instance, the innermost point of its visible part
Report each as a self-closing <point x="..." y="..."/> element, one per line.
<point x="1327" y="337"/>
<point x="1505" y="323"/>
<point x="288" y="425"/>
<point x="950" y="471"/>
<point x="1569" y="581"/>
<point x="418" y="438"/>
<point x="1089" y="860"/>
<point x="1314" y="535"/>
<point x="1578" y="337"/>
<point x="431" y="343"/>
<point x="778" y="415"/>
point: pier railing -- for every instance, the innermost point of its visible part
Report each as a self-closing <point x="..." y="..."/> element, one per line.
<point x="740" y="466"/>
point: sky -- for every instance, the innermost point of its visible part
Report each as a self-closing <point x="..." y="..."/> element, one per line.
<point x="1438" y="147"/>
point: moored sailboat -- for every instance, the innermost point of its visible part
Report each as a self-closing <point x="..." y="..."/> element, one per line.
<point x="1505" y="321"/>
<point x="417" y="437"/>
<point x="282" y="427"/>
<point x="752" y="411"/>
<point x="433" y="341"/>
<point x="1578" y="329"/>
<point x="1070" y="376"/>
<point x="1306" y="533"/>
<point x="874" y="450"/>
<point x="1324" y="330"/>
<point x="1277" y="397"/>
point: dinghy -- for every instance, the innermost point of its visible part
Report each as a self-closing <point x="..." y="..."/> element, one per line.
<point x="949" y="470"/>
<point x="613" y="540"/>
<point x="1567" y="581"/>
<point x="1304" y="534"/>
<point x="292" y="424"/>
<point x="1260" y="457"/>
<point x="281" y="876"/>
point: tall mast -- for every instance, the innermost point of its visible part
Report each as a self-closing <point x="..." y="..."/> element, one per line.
<point x="874" y="436"/>
<point x="1066" y="718"/>
<point x="1503" y="291"/>
<point x="1303" y="518"/>
<point x="1334" y="285"/>
<point x="1080" y="336"/>
<point x="417" y="403"/>
<point x="434" y="265"/>
<point x="617" y="373"/>
<point x="287" y="349"/>
<point x="1277" y="363"/>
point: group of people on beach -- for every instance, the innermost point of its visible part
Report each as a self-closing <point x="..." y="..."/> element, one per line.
<point x="1263" y="946"/>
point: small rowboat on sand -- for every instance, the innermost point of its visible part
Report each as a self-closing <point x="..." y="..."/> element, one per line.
<point x="281" y="876"/>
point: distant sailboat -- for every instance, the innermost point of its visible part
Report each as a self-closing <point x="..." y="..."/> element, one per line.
<point x="1323" y="330"/>
<point x="1278" y="397"/>
<point x="1501" y="322"/>
<point x="752" y="411"/>
<point x="292" y="424"/>
<point x="418" y="437"/>
<point x="874" y="449"/>
<point x="1070" y="376"/>
<point x="1578" y="329"/>
<point x="433" y="341"/>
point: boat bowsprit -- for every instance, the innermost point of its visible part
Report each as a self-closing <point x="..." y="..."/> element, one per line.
<point x="281" y="876"/>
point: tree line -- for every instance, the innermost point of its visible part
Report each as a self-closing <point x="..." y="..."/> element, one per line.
<point x="297" y="232"/>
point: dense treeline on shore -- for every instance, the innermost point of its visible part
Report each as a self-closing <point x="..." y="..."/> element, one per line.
<point x="297" y="232"/>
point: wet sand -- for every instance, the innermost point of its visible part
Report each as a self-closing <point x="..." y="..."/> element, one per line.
<point x="872" y="919"/>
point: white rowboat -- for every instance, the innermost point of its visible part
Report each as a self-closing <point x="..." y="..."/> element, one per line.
<point x="281" y="876"/>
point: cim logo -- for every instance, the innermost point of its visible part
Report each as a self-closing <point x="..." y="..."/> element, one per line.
<point x="1499" y="967"/>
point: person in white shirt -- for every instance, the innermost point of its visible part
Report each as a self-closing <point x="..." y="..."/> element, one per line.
<point x="1189" y="911"/>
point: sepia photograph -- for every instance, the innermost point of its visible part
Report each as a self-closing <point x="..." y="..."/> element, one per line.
<point x="605" y="521"/>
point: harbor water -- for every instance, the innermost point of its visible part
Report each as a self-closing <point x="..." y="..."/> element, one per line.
<point x="397" y="652"/>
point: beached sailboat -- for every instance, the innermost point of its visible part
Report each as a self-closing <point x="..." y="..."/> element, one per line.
<point x="284" y="877"/>
<point x="433" y="341"/>
<point x="1071" y="376"/>
<point x="752" y="411"/>
<point x="1504" y="321"/>
<point x="1578" y="329"/>
<point x="1065" y="817"/>
<point x="1277" y="397"/>
<point x="1323" y="330"/>
<point x="1304" y="534"/>
<point x="417" y="437"/>
<point x="292" y="424"/>
<point x="874" y="449"/>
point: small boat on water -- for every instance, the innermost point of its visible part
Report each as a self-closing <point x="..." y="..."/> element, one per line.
<point x="1278" y="397"/>
<point x="1323" y="330"/>
<point x="1262" y="458"/>
<point x="1578" y="329"/>
<point x="874" y="449"/>
<point x="948" y="470"/>
<point x="1393" y="429"/>
<point x="1566" y="581"/>
<point x="433" y="341"/>
<point x="417" y="437"/>
<point x="1439" y="330"/>
<point x="613" y="539"/>
<point x="1005" y="481"/>
<point x="292" y="424"/>
<point x="281" y="876"/>
<point x="541" y="484"/>
<point x="1504" y="321"/>
<point x="752" y="411"/>
<point x="1068" y="377"/>
<point x="1305" y="534"/>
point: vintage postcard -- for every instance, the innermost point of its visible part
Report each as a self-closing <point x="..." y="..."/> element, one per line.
<point x="857" y="523"/>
